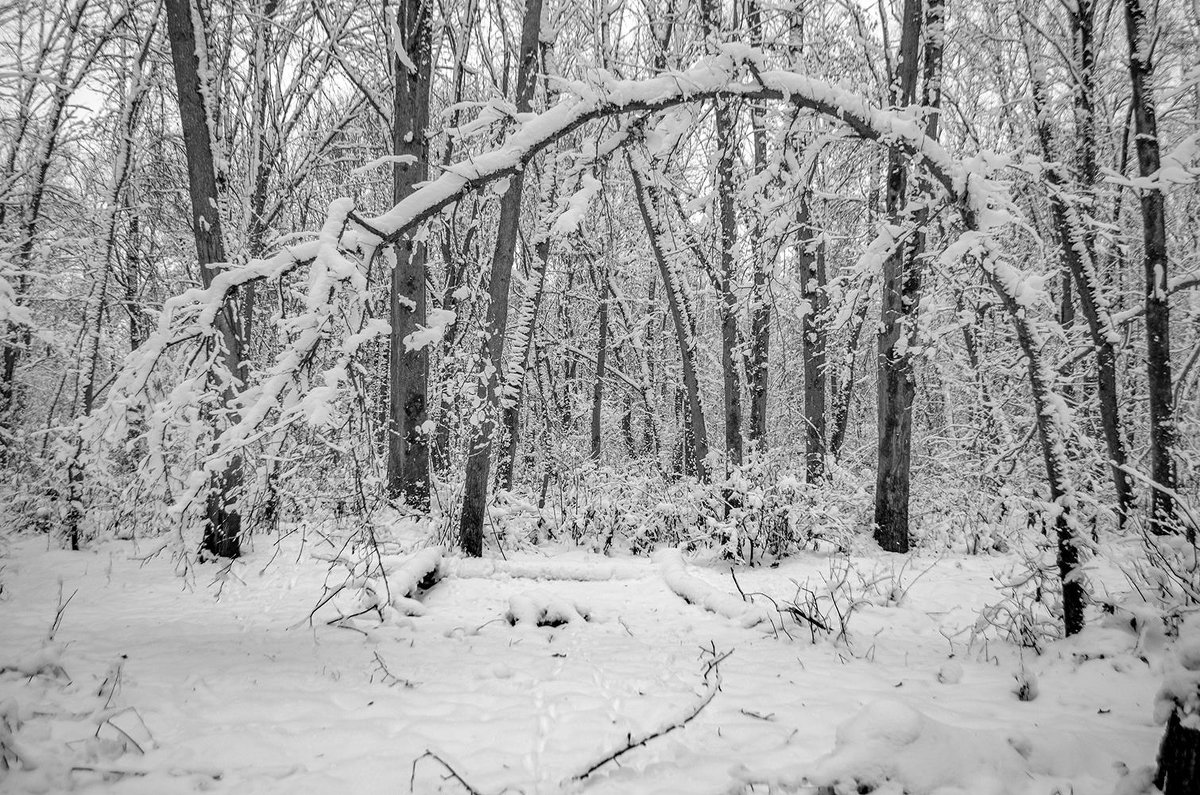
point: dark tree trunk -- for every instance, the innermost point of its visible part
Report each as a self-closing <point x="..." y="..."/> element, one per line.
<point x="408" y="438"/>
<point x="695" y="433"/>
<point x="139" y="326"/>
<point x="1178" y="770"/>
<point x="897" y="389"/>
<point x="479" y="451"/>
<point x="726" y="131"/>
<point x="1154" y="239"/>
<point x="758" y="361"/>
<point x="1076" y="249"/>
<point x="601" y="361"/>
<point x="222" y="527"/>
<point x="811" y="264"/>
<point x="843" y="386"/>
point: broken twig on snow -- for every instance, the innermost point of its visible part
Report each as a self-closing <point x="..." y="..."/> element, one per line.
<point x="712" y="681"/>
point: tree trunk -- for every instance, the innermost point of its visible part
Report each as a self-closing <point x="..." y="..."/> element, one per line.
<point x="726" y="131"/>
<point x="1076" y="250"/>
<point x="758" y="362"/>
<point x="1178" y="770"/>
<point x="811" y="264"/>
<point x="897" y="389"/>
<point x="408" y="438"/>
<point x="514" y="374"/>
<point x="1052" y="433"/>
<point x="1154" y="239"/>
<point x="695" y="432"/>
<point x="479" y="451"/>
<point x="522" y="338"/>
<point x="601" y="359"/>
<point x="222" y="521"/>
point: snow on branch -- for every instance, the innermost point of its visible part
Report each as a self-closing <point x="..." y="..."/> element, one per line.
<point x="697" y="592"/>
<point x="336" y="283"/>
<point x="10" y="310"/>
<point x="721" y="75"/>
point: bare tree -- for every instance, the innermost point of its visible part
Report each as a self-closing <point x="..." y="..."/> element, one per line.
<point x="1154" y="242"/>
<point x="897" y="388"/>
<point x="508" y="227"/>
<point x="408" y="437"/>
<point x="222" y="527"/>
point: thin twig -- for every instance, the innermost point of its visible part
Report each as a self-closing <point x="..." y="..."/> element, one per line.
<point x="712" y="686"/>
<point x="453" y="773"/>
<point x="60" y="611"/>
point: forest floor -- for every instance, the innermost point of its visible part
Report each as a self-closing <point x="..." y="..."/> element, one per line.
<point x="219" y="681"/>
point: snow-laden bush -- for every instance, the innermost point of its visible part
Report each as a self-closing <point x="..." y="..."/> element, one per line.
<point x="1166" y="576"/>
<point x="761" y="510"/>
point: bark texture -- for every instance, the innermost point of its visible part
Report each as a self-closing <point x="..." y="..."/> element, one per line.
<point x="897" y="390"/>
<point x="478" y="465"/>
<point x="222" y="529"/>
<point x="408" y="437"/>
<point x="1154" y="242"/>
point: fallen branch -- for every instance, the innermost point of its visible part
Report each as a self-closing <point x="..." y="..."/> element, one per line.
<point x="712" y="682"/>
<point x="697" y="592"/>
<point x="453" y="773"/>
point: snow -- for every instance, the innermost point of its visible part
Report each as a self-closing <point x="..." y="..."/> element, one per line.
<point x="576" y="206"/>
<point x="432" y="333"/>
<point x="223" y="683"/>
<point x="10" y="311"/>
<point x="698" y="592"/>
<point x="540" y="609"/>
<point x="891" y="741"/>
<point x="386" y="160"/>
<point x="603" y="94"/>
<point x="1173" y="172"/>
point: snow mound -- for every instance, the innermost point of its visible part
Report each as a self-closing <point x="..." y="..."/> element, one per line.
<point x="537" y="609"/>
<point x="404" y="578"/>
<point x="1180" y="689"/>
<point x="47" y="660"/>
<point x="890" y="744"/>
<point x="590" y="571"/>
<point x="697" y="592"/>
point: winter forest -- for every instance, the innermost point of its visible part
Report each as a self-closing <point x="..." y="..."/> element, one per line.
<point x="614" y="396"/>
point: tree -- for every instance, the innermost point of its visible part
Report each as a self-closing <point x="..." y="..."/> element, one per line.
<point x="479" y="451"/>
<point x="1154" y="259"/>
<point x="901" y="291"/>
<point x="222" y="528"/>
<point x="408" y="363"/>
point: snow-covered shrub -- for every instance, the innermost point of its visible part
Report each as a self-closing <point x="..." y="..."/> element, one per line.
<point x="759" y="511"/>
<point x="1030" y="614"/>
<point x="1178" y="706"/>
<point x="1167" y="575"/>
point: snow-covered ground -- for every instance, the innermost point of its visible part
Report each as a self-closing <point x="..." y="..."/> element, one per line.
<point x="159" y="683"/>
